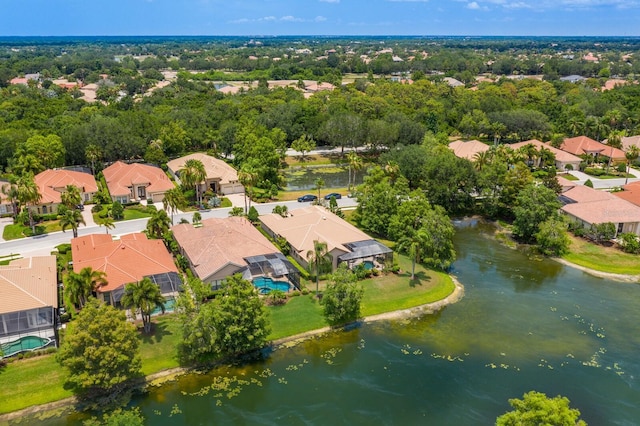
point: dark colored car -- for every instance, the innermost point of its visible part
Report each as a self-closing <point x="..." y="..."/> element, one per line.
<point x="334" y="195"/>
<point x="80" y="207"/>
<point x="307" y="197"/>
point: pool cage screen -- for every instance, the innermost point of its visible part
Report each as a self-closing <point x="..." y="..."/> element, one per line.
<point x="274" y="265"/>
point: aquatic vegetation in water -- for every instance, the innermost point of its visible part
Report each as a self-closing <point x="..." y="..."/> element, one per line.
<point x="175" y="410"/>
<point x="361" y="344"/>
<point x="329" y="355"/>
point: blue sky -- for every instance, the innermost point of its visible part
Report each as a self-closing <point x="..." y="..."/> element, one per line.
<point x="320" y="17"/>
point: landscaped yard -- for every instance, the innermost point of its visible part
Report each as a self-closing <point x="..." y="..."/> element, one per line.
<point x="15" y="231"/>
<point x="603" y="259"/>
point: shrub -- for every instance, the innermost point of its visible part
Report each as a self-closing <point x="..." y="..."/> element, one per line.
<point x="621" y="168"/>
<point x="568" y="167"/>
<point x="629" y="243"/>
<point x="588" y="183"/>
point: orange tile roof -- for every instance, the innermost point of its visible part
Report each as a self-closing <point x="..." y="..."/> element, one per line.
<point x="631" y="193"/>
<point x="51" y="183"/>
<point x="124" y="261"/>
<point x="584" y="194"/>
<point x="560" y="155"/>
<point x="120" y="176"/>
<point x="29" y="283"/>
<point x="468" y="149"/>
<point x="615" y="210"/>
<point x="220" y="242"/>
<point x="584" y="145"/>
<point x="214" y="167"/>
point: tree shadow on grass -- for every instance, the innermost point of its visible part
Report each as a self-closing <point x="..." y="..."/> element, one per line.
<point x="158" y="331"/>
<point x="420" y="278"/>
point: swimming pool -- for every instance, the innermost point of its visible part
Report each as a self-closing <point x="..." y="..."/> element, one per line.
<point x="23" y="344"/>
<point x="266" y="284"/>
<point x="368" y="264"/>
<point x="168" y="306"/>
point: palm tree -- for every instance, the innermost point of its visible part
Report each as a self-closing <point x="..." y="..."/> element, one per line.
<point x="481" y="159"/>
<point x="247" y="176"/>
<point x="319" y="186"/>
<point x="414" y="244"/>
<point x="173" y="201"/>
<point x="531" y="152"/>
<point x="392" y="169"/>
<point x="71" y="197"/>
<point x="318" y="260"/>
<point x="143" y="297"/>
<point x="632" y="155"/>
<point x="28" y="195"/>
<point x="79" y="286"/>
<point x="576" y="125"/>
<point x="93" y="153"/>
<point x="158" y="224"/>
<point x="108" y="223"/>
<point x="193" y="174"/>
<point x="72" y="219"/>
<point x="546" y="156"/>
<point x="355" y="163"/>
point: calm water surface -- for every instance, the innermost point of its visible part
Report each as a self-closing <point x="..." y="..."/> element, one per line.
<point x="334" y="176"/>
<point x="523" y="324"/>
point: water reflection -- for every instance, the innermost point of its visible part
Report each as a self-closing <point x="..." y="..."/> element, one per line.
<point x="334" y="176"/>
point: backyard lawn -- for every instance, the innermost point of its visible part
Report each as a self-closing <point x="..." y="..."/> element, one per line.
<point x="603" y="259"/>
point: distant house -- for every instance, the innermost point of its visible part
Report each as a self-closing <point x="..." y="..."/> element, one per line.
<point x="52" y="183"/>
<point x="453" y="82"/>
<point x="221" y="178"/>
<point x="345" y="242"/>
<point x="613" y="83"/>
<point x="563" y="158"/>
<point x="29" y="308"/>
<point x="136" y="182"/>
<point x="468" y="149"/>
<point x="629" y="141"/>
<point x="583" y="145"/>
<point x="127" y="259"/>
<point x="589" y="206"/>
<point x="219" y="248"/>
<point x="573" y="78"/>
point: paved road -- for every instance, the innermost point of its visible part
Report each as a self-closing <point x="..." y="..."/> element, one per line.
<point x="604" y="183"/>
<point x="45" y="244"/>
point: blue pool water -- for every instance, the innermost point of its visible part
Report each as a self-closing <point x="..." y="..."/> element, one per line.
<point x="26" y="343"/>
<point x="368" y="264"/>
<point x="266" y="284"/>
<point x="168" y="307"/>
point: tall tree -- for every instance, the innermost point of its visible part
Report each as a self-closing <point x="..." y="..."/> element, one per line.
<point x="248" y="176"/>
<point x="28" y="195"/>
<point x="158" y="224"/>
<point x="342" y="298"/>
<point x="79" y="286"/>
<point x="355" y="163"/>
<point x="631" y="155"/>
<point x="194" y="174"/>
<point x="100" y="353"/>
<point x="72" y="219"/>
<point x="535" y="408"/>
<point x="173" y="201"/>
<point x="414" y="243"/>
<point x="319" y="260"/>
<point x="534" y="205"/>
<point x="142" y="298"/>
<point x="319" y="184"/>
<point x="108" y="223"/>
<point x="71" y="197"/>
<point x="94" y="154"/>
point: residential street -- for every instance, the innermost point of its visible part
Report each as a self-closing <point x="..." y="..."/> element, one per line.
<point x="44" y="244"/>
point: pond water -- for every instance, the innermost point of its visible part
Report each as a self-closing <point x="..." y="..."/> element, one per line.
<point x="524" y="324"/>
<point x="335" y="176"/>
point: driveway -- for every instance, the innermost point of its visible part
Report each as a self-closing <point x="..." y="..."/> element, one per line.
<point x="4" y="221"/>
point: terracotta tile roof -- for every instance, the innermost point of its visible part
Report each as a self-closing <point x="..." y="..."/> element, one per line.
<point x="305" y="225"/>
<point x="565" y="183"/>
<point x="215" y="168"/>
<point x="120" y="176"/>
<point x="124" y="261"/>
<point x="584" y="194"/>
<point x="611" y="84"/>
<point x="468" y="149"/>
<point x="561" y="155"/>
<point x="631" y="193"/>
<point x="582" y="144"/>
<point x="615" y="210"/>
<point x="28" y="283"/>
<point x="51" y="183"/>
<point x="219" y="243"/>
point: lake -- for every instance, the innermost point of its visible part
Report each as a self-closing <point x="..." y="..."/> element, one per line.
<point x="524" y="324"/>
<point x="334" y="176"/>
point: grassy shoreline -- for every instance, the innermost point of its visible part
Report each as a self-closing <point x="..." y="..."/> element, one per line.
<point x="37" y="381"/>
<point x="607" y="260"/>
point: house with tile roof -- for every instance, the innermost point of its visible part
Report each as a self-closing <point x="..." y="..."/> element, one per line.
<point x="581" y="145"/>
<point x="221" y="178"/>
<point x="124" y="260"/>
<point x="136" y="182"/>
<point x="53" y="182"/>
<point x="630" y="192"/>
<point x="563" y="158"/>
<point x="29" y="294"/>
<point x="345" y="242"/>
<point x="220" y="247"/>
<point x="629" y="141"/>
<point x="589" y="206"/>
<point x="468" y="149"/>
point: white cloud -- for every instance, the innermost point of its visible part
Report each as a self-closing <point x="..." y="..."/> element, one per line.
<point x="320" y="18"/>
<point x="330" y="1"/>
<point x="473" y="5"/>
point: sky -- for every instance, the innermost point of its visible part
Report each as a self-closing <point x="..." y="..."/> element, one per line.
<point x="320" y="17"/>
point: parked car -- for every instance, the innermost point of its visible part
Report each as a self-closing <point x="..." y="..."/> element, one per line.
<point x="307" y="197"/>
<point x="334" y="195"/>
<point x="80" y="207"/>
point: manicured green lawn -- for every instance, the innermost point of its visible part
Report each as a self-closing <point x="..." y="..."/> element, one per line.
<point x="300" y="314"/>
<point x="130" y="214"/>
<point x="603" y="259"/>
<point x="15" y="231"/>
<point x="31" y="382"/>
<point x="159" y="350"/>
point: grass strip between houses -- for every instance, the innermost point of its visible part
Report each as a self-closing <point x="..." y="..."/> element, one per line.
<point x="39" y="380"/>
